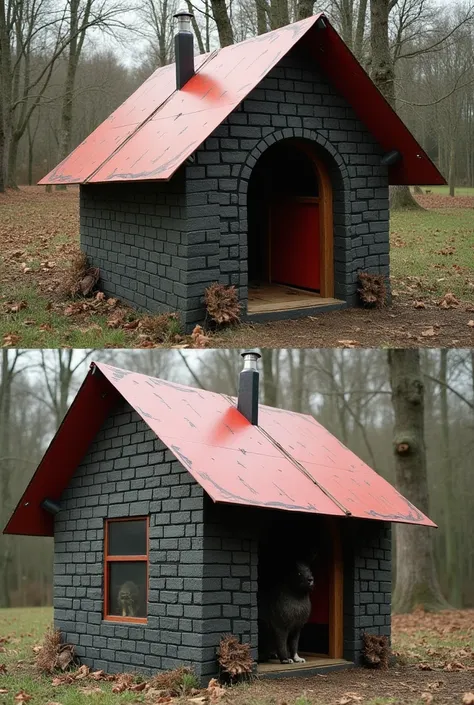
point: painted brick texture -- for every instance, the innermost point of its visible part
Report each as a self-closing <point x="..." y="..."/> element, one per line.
<point x="160" y="245"/>
<point x="135" y="234"/>
<point x="367" y="584"/>
<point x="128" y="472"/>
<point x="203" y="570"/>
<point x="296" y="101"/>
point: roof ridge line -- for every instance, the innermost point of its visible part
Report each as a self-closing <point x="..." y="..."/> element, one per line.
<point x="302" y="469"/>
<point x="211" y="55"/>
<point x="295" y="462"/>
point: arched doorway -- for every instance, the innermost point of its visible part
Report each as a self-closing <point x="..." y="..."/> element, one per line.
<point x="290" y="231"/>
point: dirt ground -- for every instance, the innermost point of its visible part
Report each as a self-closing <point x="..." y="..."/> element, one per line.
<point x="401" y="685"/>
<point x="432" y="664"/>
<point x="39" y="235"/>
<point x="400" y="325"/>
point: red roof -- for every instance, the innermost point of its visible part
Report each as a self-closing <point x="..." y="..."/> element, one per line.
<point x="159" y="127"/>
<point x="289" y="461"/>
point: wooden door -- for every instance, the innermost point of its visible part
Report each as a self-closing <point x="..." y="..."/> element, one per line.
<point x="295" y="243"/>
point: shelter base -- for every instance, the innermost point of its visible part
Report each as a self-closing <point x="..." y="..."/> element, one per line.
<point x="315" y="663"/>
<point x="273" y="302"/>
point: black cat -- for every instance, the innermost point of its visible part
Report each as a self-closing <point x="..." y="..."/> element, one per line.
<point x="284" y="607"/>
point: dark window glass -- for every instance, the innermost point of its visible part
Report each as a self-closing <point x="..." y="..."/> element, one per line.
<point x="127" y="589"/>
<point x="127" y="538"/>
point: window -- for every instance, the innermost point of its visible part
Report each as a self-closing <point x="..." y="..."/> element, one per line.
<point x="126" y="570"/>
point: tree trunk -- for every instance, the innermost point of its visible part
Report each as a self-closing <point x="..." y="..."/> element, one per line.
<point x="279" y="15"/>
<point x="12" y="161"/>
<point x="5" y="77"/>
<point x="221" y="18"/>
<point x="2" y="154"/>
<point x="452" y="166"/>
<point x="30" y="155"/>
<point x="270" y="385"/>
<point x="261" y="17"/>
<point x="383" y="75"/>
<point x="454" y="584"/>
<point x="6" y="470"/>
<point x="359" y="35"/>
<point x="417" y="582"/>
<point x="304" y="9"/>
<point x="401" y="199"/>
<point x="65" y="125"/>
<point x="382" y="69"/>
<point x="196" y="28"/>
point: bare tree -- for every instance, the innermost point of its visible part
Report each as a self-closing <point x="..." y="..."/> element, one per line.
<point x="80" y="17"/>
<point x="222" y="20"/>
<point x="417" y="581"/>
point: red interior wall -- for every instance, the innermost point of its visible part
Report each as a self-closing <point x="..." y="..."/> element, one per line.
<point x="320" y="595"/>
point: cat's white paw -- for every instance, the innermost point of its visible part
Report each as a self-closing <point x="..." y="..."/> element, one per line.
<point x="298" y="659"/>
<point x="287" y="660"/>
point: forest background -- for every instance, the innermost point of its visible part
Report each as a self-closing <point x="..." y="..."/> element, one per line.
<point x="65" y="65"/>
<point x="348" y="391"/>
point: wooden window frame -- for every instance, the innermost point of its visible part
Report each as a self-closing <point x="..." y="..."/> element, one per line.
<point x="118" y="559"/>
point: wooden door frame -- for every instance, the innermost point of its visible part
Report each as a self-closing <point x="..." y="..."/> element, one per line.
<point x="336" y="606"/>
<point x="326" y="228"/>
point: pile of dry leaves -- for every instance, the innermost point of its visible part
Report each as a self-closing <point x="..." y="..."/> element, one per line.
<point x="53" y="654"/>
<point x="162" y="688"/>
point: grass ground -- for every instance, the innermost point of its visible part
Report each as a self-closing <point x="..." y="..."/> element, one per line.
<point x="434" y="664"/>
<point x="444" y="190"/>
<point x="432" y="254"/>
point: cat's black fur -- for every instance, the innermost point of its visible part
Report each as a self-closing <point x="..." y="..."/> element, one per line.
<point x="284" y="607"/>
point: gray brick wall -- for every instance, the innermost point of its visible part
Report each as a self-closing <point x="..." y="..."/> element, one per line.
<point x="297" y="101"/>
<point x="160" y="245"/>
<point x="367" y="583"/>
<point x="203" y="572"/>
<point x="135" y="234"/>
<point x="128" y="472"/>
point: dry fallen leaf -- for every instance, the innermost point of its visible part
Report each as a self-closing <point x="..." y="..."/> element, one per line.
<point x="350" y="698"/>
<point x="3" y="691"/>
<point x="454" y="666"/>
<point x="427" y="697"/>
<point x="11" y="339"/>
<point x="82" y="672"/>
<point x="434" y="685"/>
<point x="215" y="690"/>
<point x="199" y="338"/>
<point x="470" y="324"/>
<point x="16" y="306"/>
<point x="448" y="301"/>
<point x="349" y="343"/>
<point x="468" y="699"/>
<point x="419" y="304"/>
<point x="22" y="697"/>
<point x="98" y="675"/>
<point x="429" y="332"/>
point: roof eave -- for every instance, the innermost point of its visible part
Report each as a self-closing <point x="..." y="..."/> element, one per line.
<point x="87" y="413"/>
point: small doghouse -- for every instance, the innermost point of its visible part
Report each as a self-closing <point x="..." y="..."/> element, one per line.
<point x="264" y="165"/>
<point x="166" y="502"/>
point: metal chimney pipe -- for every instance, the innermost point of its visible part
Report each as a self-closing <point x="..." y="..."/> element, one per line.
<point x="184" y="48"/>
<point x="247" y="402"/>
